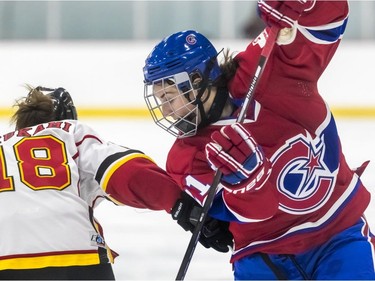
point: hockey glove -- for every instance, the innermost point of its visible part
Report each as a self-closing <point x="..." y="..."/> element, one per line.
<point x="283" y="13"/>
<point x="236" y="154"/>
<point x="215" y="234"/>
<point x="186" y="211"/>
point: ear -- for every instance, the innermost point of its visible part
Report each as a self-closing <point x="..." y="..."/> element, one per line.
<point x="196" y="81"/>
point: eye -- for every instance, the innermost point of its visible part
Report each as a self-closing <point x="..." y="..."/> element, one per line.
<point x="169" y="81"/>
<point x="161" y="95"/>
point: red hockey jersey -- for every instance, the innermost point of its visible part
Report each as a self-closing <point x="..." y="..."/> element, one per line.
<point x="311" y="193"/>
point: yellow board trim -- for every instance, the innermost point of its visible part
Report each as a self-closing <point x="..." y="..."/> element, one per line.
<point x="126" y="112"/>
<point x="60" y="260"/>
<point x="142" y="112"/>
<point x="354" y="112"/>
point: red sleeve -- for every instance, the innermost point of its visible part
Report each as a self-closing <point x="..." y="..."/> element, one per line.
<point x="141" y="183"/>
<point x="294" y="67"/>
<point x="325" y="12"/>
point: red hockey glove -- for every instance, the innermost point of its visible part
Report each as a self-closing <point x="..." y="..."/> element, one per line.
<point x="283" y="13"/>
<point x="236" y="154"/>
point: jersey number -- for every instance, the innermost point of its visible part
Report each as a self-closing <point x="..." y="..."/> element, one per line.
<point x="42" y="164"/>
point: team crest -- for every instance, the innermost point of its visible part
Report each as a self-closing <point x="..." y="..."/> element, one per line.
<point x="305" y="183"/>
<point x="191" y="39"/>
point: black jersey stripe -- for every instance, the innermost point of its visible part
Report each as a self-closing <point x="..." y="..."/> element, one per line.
<point x="111" y="159"/>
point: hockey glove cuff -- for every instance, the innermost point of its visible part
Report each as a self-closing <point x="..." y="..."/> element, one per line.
<point x="186" y="212"/>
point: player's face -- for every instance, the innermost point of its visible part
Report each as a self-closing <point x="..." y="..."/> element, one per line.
<point x="174" y="102"/>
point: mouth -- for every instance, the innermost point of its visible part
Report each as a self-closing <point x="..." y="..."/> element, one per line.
<point x="184" y="126"/>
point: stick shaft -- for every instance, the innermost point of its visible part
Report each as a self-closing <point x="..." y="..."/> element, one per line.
<point x="215" y="183"/>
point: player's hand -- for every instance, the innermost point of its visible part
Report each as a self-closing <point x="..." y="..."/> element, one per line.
<point x="186" y="212"/>
<point x="235" y="153"/>
<point x="283" y="13"/>
<point x="215" y="233"/>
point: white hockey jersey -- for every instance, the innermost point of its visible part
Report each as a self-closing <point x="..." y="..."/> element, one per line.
<point x="51" y="177"/>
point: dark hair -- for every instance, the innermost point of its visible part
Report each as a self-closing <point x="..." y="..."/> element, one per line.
<point x="35" y="108"/>
<point x="228" y="68"/>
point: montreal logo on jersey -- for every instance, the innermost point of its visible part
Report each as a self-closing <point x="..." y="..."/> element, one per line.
<point x="305" y="183"/>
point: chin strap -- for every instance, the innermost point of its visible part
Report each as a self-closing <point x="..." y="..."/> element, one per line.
<point x="216" y="108"/>
<point x="219" y="101"/>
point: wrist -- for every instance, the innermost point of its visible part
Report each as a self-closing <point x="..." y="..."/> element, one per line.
<point x="253" y="183"/>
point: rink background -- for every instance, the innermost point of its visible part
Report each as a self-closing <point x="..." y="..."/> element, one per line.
<point x="109" y="76"/>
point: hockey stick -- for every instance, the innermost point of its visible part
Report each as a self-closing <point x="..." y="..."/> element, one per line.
<point x="270" y="41"/>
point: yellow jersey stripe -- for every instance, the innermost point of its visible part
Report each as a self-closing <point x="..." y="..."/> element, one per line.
<point x="60" y="260"/>
<point x="119" y="163"/>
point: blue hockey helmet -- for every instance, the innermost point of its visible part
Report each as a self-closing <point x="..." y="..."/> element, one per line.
<point x="185" y="51"/>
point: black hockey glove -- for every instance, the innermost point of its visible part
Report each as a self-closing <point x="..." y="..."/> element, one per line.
<point x="215" y="233"/>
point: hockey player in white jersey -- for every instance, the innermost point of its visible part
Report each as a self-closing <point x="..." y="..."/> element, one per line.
<point x="54" y="170"/>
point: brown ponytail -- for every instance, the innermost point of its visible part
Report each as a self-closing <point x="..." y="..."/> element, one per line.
<point x="228" y="67"/>
<point x="35" y="108"/>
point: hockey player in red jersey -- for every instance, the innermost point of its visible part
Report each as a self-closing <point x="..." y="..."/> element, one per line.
<point x="294" y="206"/>
<point x="54" y="171"/>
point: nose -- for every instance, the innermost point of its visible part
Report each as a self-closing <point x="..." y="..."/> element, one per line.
<point x="167" y="110"/>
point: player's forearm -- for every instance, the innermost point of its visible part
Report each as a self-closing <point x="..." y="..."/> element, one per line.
<point x="141" y="183"/>
<point x="324" y="12"/>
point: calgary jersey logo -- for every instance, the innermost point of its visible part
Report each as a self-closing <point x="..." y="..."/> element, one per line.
<point x="302" y="177"/>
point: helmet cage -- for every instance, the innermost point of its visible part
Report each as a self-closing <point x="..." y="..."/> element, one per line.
<point x="181" y="121"/>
